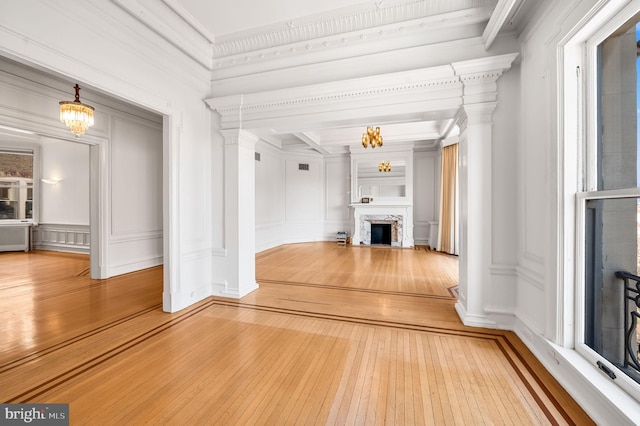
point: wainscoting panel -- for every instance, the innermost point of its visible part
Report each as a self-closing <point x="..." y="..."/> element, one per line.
<point x="60" y="237"/>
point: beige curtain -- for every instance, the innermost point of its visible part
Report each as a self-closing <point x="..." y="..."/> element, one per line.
<point x="448" y="227"/>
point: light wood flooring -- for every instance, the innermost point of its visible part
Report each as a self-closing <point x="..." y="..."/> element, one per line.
<point x="326" y="339"/>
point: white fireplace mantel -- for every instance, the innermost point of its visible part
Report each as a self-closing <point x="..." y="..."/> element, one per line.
<point x="365" y="213"/>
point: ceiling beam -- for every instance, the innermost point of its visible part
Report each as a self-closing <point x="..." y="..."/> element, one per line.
<point x="446" y="128"/>
<point x="504" y="12"/>
<point x="311" y="140"/>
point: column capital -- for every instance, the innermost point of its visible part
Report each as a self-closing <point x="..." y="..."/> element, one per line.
<point x="471" y="114"/>
<point x="461" y="119"/>
<point x="239" y="137"/>
<point x="479" y="113"/>
<point x="479" y="76"/>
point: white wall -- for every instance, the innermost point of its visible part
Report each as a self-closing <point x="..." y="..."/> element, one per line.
<point x="536" y="173"/>
<point x="304" y="195"/>
<point x="504" y="166"/>
<point x="270" y="197"/>
<point x="135" y="225"/>
<point x="68" y="201"/>
<point x="290" y="203"/>
<point x="426" y="195"/>
<point x="64" y="219"/>
<point x="337" y="187"/>
<point x="293" y="205"/>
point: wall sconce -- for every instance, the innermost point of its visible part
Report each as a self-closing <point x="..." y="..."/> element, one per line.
<point x="51" y="181"/>
<point x="385" y="166"/>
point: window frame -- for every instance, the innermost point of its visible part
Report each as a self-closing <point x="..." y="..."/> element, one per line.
<point x="581" y="177"/>
<point x="622" y="379"/>
<point x="34" y="148"/>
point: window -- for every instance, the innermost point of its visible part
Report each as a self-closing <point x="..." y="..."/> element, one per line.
<point x="608" y="223"/>
<point x="16" y="184"/>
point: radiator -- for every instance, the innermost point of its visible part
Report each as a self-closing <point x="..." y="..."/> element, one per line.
<point x="14" y="237"/>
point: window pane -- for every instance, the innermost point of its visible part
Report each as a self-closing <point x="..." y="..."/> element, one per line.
<point x="612" y="268"/>
<point x="618" y="110"/>
<point x="16" y="185"/>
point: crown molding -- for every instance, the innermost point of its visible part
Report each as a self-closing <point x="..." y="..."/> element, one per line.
<point x="387" y="24"/>
<point x="484" y="65"/>
<point x="170" y="21"/>
<point x="347" y="91"/>
<point x="480" y="76"/>
<point x="398" y="21"/>
<point x="476" y="76"/>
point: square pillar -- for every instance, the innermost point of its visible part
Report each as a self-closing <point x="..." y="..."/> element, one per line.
<point x="239" y="212"/>
<point x="480" y="91"/>
<point x="475" y="152"/>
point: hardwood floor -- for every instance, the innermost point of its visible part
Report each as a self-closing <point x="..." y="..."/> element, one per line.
<point x="323" y="341"/>
<point x="403" y="271"/>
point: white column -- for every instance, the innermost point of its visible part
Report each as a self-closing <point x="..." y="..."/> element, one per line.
<point x="239" y="212"/>
<point x="480" y="91"/>
<point x="475" y="213"/>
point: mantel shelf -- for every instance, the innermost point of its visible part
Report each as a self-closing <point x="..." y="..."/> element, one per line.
<point x="366" y="205"/>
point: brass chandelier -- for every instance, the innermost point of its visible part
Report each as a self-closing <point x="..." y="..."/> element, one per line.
<point x="372" y="138"/>
<point x="75" y="115"/>
<point x="385" y="166"/>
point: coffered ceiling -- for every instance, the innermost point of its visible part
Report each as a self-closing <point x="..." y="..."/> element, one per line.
<point x="260" y="46"/>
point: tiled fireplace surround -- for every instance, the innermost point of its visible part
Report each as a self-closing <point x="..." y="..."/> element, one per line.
<point x="397" y="215"/>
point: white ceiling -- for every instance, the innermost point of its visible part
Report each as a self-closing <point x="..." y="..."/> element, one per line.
<point x="241" y="22"/>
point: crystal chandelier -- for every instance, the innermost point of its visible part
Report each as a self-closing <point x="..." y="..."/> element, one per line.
<point x="372" y="137"/>
<point x="385" y="166"/>
<point x="76" y="115"/>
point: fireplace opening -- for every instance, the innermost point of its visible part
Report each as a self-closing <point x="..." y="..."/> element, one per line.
<point x="381" y="234"/>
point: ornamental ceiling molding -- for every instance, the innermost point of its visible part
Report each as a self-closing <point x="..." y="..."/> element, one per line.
<point x="355" y="95"/>
<point x="313" y="28"/>
<point x="288" y="98"/>
<point x="478" y="74"/>
<point x="392" y="36"/>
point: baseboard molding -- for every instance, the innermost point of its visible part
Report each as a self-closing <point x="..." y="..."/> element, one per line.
<point x="62" y="248"/>
<point x="474" y="320"/>
<point x="504" y="319"/>
<point x="174" y="302"/>
<point x="221" y="289"/>
<point x="134" y="266"/>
